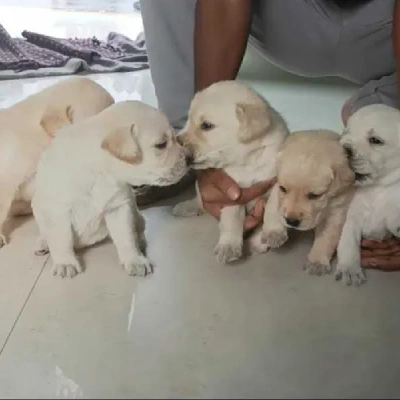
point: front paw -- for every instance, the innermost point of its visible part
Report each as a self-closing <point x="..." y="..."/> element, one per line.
<point x="228" y="252"/>
<point x="3" y="240"/>
<point x="255" y="243"/>
<point x="41" y="247"/>
<point x="189" y="208"/>
<point x="140" y="266"/>
<point x="67" y="270"/>
<point x="318" y="268"/>
<point x="274" y="238"/>
<point x="353" y="275"/>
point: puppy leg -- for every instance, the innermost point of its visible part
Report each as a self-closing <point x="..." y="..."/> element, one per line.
<point x="41" y="247"/>
<point x="6" y="200"/>
<point x="230" y="244"/>
<point x="122" y="225"/>
<point x="60" y="240"/>
<point x="327" y="237"/>
<point x="189" y="208"/>
<point x="140" y="226"/>
<point x="349" y="260"/>
<point x="273" y="233"/>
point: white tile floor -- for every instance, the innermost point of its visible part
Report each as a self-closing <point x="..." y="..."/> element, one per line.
<point x="260" y="328"/>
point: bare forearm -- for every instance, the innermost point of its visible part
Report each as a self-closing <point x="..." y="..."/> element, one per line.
<point x="221" y="33"/>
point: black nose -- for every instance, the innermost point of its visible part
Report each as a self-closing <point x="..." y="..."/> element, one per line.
<point x="293" y="222"/>
<point x="348" y="150"/>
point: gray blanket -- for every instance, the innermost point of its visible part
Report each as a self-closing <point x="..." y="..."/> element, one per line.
<point x="37" y="55"/>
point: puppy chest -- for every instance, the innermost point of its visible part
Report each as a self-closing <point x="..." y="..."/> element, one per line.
<point x="87" y="221"/>
<point x="89" y="211"/>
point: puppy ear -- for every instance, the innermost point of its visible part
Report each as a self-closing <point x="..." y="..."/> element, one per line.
<point x="254" y="121"/>
<point x="343" y="177"/>
<point x="53" y="120"/>
<point x="123" y="145"/>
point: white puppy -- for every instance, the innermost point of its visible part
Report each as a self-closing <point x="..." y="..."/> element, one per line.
<point x="313" y="191"/>
<point x="231" y="127"/>
<point x="372" y="140"/>
<point x="83" y="191"/>
<point x="28" y="127"/>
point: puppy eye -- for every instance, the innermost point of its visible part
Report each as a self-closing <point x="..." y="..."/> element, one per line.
<point x="161" y="145"/>
<point x="207" y="126"/>
<point x="313" y="196"/>
<point x="375" y="141"/>
<point x="282" y="189"/>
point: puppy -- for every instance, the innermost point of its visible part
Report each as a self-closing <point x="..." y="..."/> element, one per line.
<point x="372" y="141"/>
<point x="314" y="188"/>
<point x="83" y="192"/>
<point x="28" y="127"/>
<point x="231" y="127"/>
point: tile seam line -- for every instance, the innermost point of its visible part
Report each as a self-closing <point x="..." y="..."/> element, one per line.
<point x="23" y="307"/>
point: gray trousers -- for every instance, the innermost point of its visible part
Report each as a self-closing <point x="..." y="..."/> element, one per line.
<point x="307" y="37"/>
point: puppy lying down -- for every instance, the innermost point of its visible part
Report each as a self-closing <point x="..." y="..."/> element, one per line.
<point x="28" y="127"/>
<point x="314" y="188"/>
<point x="231" y="127"/>
<point x="372" y="141"/>
<point x="83" y="191"/>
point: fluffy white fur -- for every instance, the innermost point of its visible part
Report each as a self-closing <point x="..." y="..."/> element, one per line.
<point x="231" y="127"/>
<point x="28" y="127"/>
<point x="313" y="191"/>
<point x="83" y="191"/>
<point x="372" y="140"/>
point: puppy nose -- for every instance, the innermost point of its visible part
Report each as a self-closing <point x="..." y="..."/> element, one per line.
<point x="348" y="150"/>
<point x="293" y="222"/>
<point x="189" y="158"/>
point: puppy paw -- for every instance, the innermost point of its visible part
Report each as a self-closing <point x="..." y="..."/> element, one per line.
<point x="67" y="270"/>
<point x="350" y="275"/>
<point x="274" y="238"/>
<point x="41" y="247"/>
<point x="226" y="253"/>
<point x="188" y="208"/>
<point x="3" y="240"/>
<point x="317" y="268"/>
<point x="140" y="266"/>
<point x="255" y="244"/>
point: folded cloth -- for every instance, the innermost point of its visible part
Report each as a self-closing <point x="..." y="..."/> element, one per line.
<point x="41" y="55"/>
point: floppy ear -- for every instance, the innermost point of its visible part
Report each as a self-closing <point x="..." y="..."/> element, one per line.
<point x="123" y="145"/>
<point x="53" y="120"/>
<point x="343" y="177"/>
<point x="254" y="121"/>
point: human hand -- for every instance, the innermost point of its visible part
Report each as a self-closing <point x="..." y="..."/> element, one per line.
<point x="384" y="255"/>
<point x="219" y="190"/>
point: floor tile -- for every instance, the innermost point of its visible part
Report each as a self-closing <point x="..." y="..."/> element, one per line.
<point x="260" y="328"/>
<point x="19" y="270"/>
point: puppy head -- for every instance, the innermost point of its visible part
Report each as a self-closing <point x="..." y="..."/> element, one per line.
<point x="140" y="138"/>
<point x="372" y="143"/>
<point x="312" y="169"/>
<point x="226" y="122"/>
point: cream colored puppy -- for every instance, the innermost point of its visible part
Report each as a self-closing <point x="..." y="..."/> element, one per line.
<point x="231" y="127"/>
<point x="83" y="191"/>
<point x="28" y="127"/>
<point x="314" y="188"/>
<point x="372" y="141"/>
